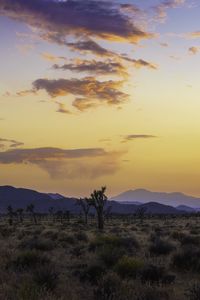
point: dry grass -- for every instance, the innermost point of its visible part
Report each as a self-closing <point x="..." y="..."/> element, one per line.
<point x="157" y="259"/>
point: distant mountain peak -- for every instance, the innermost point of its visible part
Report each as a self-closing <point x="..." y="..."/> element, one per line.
<point x="144" y="196"/>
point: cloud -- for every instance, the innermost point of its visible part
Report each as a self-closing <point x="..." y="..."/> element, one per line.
<point x="88" y="91"/>
<point x="25" y="93"/>
<point x="62" y="108"/>
<point x="132" y="137"/>
<point x="52" y="58"/>
<point x="88" y="45"/>
<point x="193" y="35"/>
<point x="97" y="67"/>
<point x="161" y="9"/>
<point x="165" y="45"/>
<point x="193" y="50"/>
<point x="63" y="18"/>
<point x="130" y="8"/>
<point x="66" y="163"/>
<point x="7" y="143"/>
<point x="139" y="63"/>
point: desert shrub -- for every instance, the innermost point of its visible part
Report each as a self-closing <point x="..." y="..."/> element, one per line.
<point x="189" y="240"/>
<point x="194" y="231"/>
<point x="67" y="238"/>
<point x="37" y="244"/>
<point x="193" y="292"/>
<point x="108" y="287"/>
<point x="6" y="232"/>
<point x="188" y="259"/>
<point x="81" y="236"/>
<point x="46" y="277"/>
<point x="152" y="274"/>
<point x="77" y="250"/>
<point x="152" y="293"/>
<point x="161" y="247"/>
<point x="93" y="272"/>
<point x="177" y="235"/>
<point x="27" y="259"/>
<point x="110" y="254"/>
<point x="129" y="267"/>
<point x="52" y="234"/>
<point x="28" y="290"/>
<point x="116" y="241"/>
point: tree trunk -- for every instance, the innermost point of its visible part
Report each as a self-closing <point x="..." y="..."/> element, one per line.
<point x="100" y="220"/>
<point x="86" y="218"/>
<point x="35" y="219"/>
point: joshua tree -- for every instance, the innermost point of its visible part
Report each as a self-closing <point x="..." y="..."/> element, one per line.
<point x="84" y="203"/>
<point x="67" y="215"/>
<point x="140" y="212"/>
<point x="30" y="208"/>
<point x="20" y="211"/>
<point x="51" y="212"/>
<point x="59" y="215"/>
<point x="98" y="200"/>
<point x="10" y="214"/>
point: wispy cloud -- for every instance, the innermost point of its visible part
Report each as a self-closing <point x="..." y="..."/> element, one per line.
<point x="194" y="50"/>
<point x="132" y="137"/>
<point x="10" y="143"/>
<point x="66" y="163"/>
<point x="161" y="8"/>
<point x="107" y="67"/>
<point x="52" y="58"/>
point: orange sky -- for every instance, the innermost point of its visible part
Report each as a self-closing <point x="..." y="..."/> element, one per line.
<point x="90" y="97"/>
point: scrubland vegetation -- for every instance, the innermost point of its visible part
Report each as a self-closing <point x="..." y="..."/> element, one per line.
<point x="153" y="258"/>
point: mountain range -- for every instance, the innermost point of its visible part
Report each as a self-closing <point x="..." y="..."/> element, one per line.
<point x="126" y="203"/>
<point x="144" y="196"/>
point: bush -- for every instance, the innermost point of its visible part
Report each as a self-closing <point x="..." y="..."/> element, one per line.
<point x="190" y="240"/>
<point x="125" y="242"/>
<point x="68" y="238"/>
<point x="110" y="254"/>
<point x="161" y="247"/>
<point x="152" y="293"/>
<point x="108" y="287"/>
<point x="129" y="267"/>
<point x="46" y="277"/>
<point x="187" y="260"/>
<point x="93" y="273"/>
<point x="152" y="274"/>
<point x="37" y="244"/>
<point x="28" y="259"/>
<point x="193" y="292"/>
<point x="81" y="236"/>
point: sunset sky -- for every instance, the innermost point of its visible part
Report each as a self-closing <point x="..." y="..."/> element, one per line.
<point x="99" y="93"/>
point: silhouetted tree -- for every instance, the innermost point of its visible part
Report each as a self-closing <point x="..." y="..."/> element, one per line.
<point x="51" y="212"/>
<point x="84" y="203"/>
<point x="140" y="213"/>
<point x="98" y="200"/>
<point x="10" y="214"/>
<point x="59" y="215"/>
<point x="31" y="209"/>
<point x="19" y="212"/>
<point x="67" y="215"/>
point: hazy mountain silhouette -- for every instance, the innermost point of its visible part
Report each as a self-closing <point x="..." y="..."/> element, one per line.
<point x="20" y="198"/>
<point x="144" y="196"/>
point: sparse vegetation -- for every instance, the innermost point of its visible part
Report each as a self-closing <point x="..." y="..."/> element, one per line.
<point x="55" y="257"/>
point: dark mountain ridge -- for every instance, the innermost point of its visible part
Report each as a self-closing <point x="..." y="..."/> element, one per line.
<point x="20" y="198"/>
